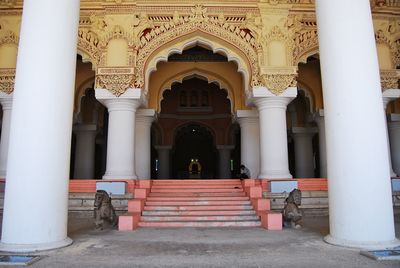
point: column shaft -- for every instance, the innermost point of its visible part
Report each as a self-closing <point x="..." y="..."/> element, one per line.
<point x="358" y="165"/>
<point x="84" y="151"/>
<point x="6" y="103"/>
<point x="249" y="140"/>
<point x="394" y="135"/>
<point x="303" y="151"/>
<point x="274" y="161"/>
<point x="36" y="198"/>
<point x="320" y="120"/>
<point x="121" y="132"/>
<point x="144" y="119"/>
<point x="224" y="160"/>
<point x="163" y="161"/>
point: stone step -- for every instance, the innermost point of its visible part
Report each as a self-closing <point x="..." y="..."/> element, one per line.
<point x="197" y="212"/>
<point x="233" y="207"/>
<point x="200" y="218"/>
<point x="216" y="181"/>
<point x="205" y="190"/>
<point x="197" y="203"/>
<point x="191" y="194"/>
<point x="201" y="224"/>
<point x="230" y="198"/>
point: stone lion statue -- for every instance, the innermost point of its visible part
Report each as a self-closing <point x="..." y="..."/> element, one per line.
<point x="291" y="212"/>
<point x="103" y="210"/>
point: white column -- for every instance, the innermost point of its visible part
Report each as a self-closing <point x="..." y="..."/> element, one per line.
<point x="163" y="161"/>
<point x="357" y="151"/>
<point x="121" y="132"/>
<point x="36" y="198"/>
<point x="274" y="161"/>
<point x="320" y="120"/>
<point x="249" y="140"/>
<point x="144" y="119"/>
<point x="394" y="136"/>
<point x="224" y="160"/>
<point x="84" y="151"/>
<point x="303" y="151"/>
<point x="6" y="103"/>
<point x="388" y="96"/>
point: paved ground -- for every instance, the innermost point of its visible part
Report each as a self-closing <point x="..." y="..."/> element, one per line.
<point x="199" y="247"/>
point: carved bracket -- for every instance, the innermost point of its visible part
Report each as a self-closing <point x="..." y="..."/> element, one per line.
<point x="7" y="80"/>
<point x="277" y="80"/>
<point x="116" y="80"/>
<point x="390" y="79"/>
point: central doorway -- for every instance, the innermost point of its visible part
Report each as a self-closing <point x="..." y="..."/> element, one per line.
<point x="194" y="154"/>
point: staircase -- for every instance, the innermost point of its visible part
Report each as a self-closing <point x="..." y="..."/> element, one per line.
<point x="198" y="203"/>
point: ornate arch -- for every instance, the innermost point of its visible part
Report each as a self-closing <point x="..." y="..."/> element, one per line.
<point x="202" y="74"/>
<point x="181" y="32"/>
<point x="306" y="45"/>
<point x="80" y="92"/>
<point x="88" y="47"/>
<point x="381" y="37"/>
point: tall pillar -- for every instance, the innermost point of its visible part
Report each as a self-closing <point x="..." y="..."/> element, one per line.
<point x="394" y="136"/>
<point x="358" y="165"/>
<point x="224" y="160"/>
<point x="163" y="161"/>
<point x="85" y="151"/>
<point x="249" y="140"/>
<point x="121" y="132"/>
<point x="6" y="103"/>
<point x="388" y="96"/>
<point x="303" y="151"/>
<point x="36" y="197"/>
<point x="274" y="161"/>
<point x="144" y="118"/>
<point x="320" y="120"/>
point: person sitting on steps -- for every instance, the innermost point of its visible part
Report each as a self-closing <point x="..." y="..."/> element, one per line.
<point x="244" y="172"/>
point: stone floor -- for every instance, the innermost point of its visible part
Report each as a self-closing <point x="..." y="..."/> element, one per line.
<point x="199" y="247"/>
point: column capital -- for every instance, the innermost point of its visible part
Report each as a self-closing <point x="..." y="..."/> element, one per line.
<point x="264" y="99"/>
<point x="84" y="128"/>
<point x="146" y="115"/>
<point x="304" y="131"/>
<point x="247" y="117"/>
<point x="6" y="100"/>
<point x="389" y="95"/>
<point x="129" y="100"/>
<point x="225" y="147"/>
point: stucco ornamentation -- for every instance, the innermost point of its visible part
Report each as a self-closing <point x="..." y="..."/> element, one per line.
<point x="116" y="80"/>
<point x="390" y="79"/>
<point x="8" y="37"/>
<point x="199" y="20"/>
<point x="7" y="80"/>
<point x="386" y="36"/>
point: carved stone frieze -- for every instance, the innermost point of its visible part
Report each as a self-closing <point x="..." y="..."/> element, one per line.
<point x="390" y="79"/>
<point x="7" y="80"/>
<point x="116" y="80"/>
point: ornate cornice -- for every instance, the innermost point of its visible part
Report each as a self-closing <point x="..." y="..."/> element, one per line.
<point x="390" y="79"/>
<point x="116" y="80"/>
<point x="7" y="80"/>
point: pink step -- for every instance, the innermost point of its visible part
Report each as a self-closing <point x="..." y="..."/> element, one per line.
<point x="229" y="198"/>
<point x="200" y="218"/>
<point x="202" y="224"/>
<point x="206" y="190"/>
<point x="195" y="181"/>
<point x="195" y="194"/>
<point x="197" y="212"/>
<point x="196" y="203"/>
<point x="237" y="207"/>
<point x="196" y="186"/>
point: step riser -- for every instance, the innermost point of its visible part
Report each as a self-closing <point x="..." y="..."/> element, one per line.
<point x="198" y="207"/>
<point x="196" y="186"/>
<point x="196" y="194"/>
<point x="200" y="213"/>
<point x="199" y="218"/>
<point x="208" y="190"/>
<point x="231" y="198"/>
<point x="201" y="224"/>
<point x="196" y="203"/>
<point x="196" y="181"/>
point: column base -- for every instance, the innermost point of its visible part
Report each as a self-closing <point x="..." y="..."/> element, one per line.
<point x="369" y="245"/>
<point x="35" y="247"/>
<point x="119" y="177"/>
<point x="275" y="176"/>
